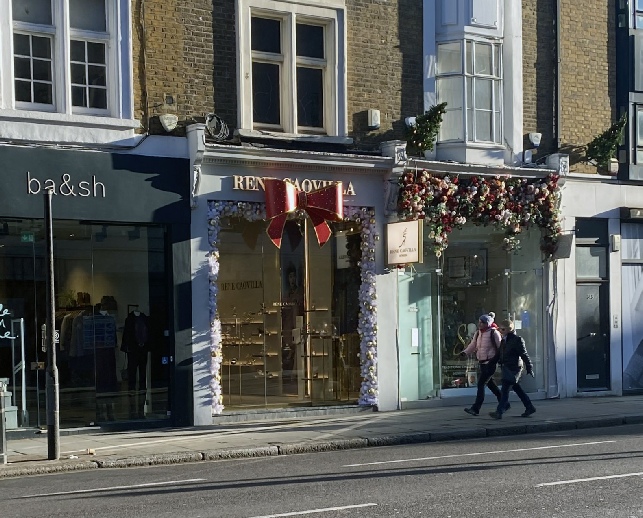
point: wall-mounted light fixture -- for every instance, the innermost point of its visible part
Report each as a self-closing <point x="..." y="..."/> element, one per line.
<point x="410" y="122"/>
<point x="535" y="139"/>
<point x="168" y="121"/>
<point x="373" y="119"/>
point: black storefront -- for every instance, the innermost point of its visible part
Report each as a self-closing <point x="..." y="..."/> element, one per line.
<point x="121" y="240"/>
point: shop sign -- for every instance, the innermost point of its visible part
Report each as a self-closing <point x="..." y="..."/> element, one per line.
<point x="66" y="186"/>
<point x="404" y="242"/>
<point x="241" y="285"/>
<point x="3" y="326"/>
<point x="256" y="183"/>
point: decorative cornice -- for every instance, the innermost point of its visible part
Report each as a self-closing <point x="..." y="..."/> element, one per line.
<point x="294" y="160"/>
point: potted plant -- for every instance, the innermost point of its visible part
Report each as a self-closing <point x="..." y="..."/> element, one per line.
<point x="422" y="135"/>
<point x="602" y="150"/>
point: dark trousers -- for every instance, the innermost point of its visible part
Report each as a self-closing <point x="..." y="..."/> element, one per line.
<point x="507" y="385"/>
<point x="487" y="371"/>
<point x="137" y="363"/>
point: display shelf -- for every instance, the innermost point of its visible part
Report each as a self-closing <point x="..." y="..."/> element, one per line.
<point x="247" y="338"/>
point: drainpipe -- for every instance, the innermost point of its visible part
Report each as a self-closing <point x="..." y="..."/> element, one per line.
<point x="558" y="82"/>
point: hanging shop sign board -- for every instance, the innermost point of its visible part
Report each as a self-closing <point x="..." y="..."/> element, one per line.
<point x="404" y="242"/>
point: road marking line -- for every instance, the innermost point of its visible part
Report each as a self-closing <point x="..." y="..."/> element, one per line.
<point x="113" y="488"/>
<point x="316" y="511"/>
<point x="562" y="482"/>
<point x="477" y="454"/>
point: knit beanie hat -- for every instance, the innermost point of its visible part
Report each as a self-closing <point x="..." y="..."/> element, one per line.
<point x="487" y="319"/>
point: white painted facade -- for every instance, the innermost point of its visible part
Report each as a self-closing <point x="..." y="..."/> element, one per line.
<point x="212" y="166"/>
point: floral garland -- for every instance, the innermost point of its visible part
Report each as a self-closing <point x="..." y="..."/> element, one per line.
<point x="367" y="324"/>
<point x="216" y="211"/>
<point x="509" y="203"/>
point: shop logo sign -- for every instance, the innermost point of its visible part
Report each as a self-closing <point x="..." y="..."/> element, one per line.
<point x="66" y="186"/>
<point x="256" y="183"/>
<point x="404" y="242"/>
<point x="3" y="327"/>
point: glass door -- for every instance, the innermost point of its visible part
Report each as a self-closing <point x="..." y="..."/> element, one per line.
<point x="330" y="355"/>
<point x="289" y="315"/>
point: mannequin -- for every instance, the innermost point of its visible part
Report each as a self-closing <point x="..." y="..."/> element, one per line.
<point x="136" y="345"/>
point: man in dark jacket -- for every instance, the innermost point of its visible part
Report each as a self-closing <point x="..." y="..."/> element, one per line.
<point x="513" y="357"/>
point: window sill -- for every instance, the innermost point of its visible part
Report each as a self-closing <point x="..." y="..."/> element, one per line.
<point x="268" y="135"/>
<point x="471" y="145"/>
<point x="62" y="119"/>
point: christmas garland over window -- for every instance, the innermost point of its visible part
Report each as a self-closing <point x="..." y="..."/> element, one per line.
<point x="367" y="323"/>
<point x="508" y="203"/>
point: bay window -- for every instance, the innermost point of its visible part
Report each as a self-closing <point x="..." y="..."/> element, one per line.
<point x="469" y="80"/>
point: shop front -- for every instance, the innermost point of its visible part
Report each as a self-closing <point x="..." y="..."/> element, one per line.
<point x="441" y="300"/>
<point x="292" y="309"/>
<point x="485" y="245"/>
<point x="118" y="223"/>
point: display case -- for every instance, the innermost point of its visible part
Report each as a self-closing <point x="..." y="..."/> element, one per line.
<point x="319" y="357"/>
<point x="251" y="356"/>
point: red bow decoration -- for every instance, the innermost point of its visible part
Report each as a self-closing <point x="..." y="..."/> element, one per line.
<point x="322" y="205"/>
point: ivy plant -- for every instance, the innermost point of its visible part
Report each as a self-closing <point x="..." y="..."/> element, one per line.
<point x="423" y="134"/>
<point x="603" y="148"/>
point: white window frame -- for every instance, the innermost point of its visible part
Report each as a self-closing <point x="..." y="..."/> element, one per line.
<point x="119" y="113"/>
<point x="326" y="13"/>
<point x="638" y="134"/>
<point x="496" y="94"/>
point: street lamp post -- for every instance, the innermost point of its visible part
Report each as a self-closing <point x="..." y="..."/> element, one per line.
<point x="52" y="388"/>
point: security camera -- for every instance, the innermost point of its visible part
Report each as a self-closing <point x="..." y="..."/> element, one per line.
<point x="535" y="138"/>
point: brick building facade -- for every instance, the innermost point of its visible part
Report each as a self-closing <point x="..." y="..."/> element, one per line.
<point x="188" y="50"/>
<point x="572" y="101"/>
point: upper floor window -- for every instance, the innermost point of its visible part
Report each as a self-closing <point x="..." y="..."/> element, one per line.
<point x="469" y="80"/>
<point x="290" y="81"/>
<point x="639" y="134"/>
<point x="639" y="13"/>
<point x="64" y="57"/>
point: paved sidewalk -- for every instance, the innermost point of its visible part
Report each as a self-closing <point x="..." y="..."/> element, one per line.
<point x="97" y="449"/>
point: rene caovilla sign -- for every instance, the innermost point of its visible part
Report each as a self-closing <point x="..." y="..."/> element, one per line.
<point x="404" y="242"/>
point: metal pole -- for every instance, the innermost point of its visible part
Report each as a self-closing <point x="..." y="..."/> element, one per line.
<point x="52" y="388"/>
<point x="3" y="427"/>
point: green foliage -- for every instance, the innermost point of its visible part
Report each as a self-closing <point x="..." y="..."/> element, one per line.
<point x="604" y="146"/>
<point x="423" y="135"/>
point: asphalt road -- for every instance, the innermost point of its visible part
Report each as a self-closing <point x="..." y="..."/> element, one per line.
<point x="581" y="473"/>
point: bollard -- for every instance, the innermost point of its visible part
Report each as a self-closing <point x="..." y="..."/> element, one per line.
<point x="3" y="426"/>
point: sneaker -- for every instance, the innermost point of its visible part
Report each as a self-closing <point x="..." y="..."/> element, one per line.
<point x="471" y="411"/>
<point x="495" y="415"/>
<point x="528" y="412"/>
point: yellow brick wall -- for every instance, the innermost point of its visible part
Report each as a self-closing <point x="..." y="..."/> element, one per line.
<point x="588" y="73"/>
